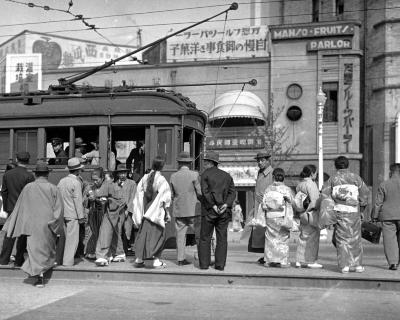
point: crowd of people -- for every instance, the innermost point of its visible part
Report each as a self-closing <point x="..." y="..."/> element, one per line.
<point x="111" y="216"/>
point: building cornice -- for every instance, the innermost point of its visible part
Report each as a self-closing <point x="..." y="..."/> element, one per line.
<point x="384" y="22"/>
<point x="385" y="55"/>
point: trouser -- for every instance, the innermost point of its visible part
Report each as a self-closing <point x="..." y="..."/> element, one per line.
<point x="391" y="240"/>
<point x="208" y="223"/>
<point x="7" y="249"/>
<point x="109" y="242"/>
<point x="71" y="241"/>
<point x="181" y="226"/>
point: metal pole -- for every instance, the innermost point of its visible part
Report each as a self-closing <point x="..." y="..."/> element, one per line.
<point x="321" y="98"/>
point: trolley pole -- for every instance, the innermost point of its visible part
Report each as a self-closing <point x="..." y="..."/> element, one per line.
<point x="321" y="99"/>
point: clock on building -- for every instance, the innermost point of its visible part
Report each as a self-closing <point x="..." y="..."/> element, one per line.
<point x="294" y="91"/>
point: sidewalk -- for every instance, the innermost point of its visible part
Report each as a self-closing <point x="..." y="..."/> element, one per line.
<point x="241" y="269"/>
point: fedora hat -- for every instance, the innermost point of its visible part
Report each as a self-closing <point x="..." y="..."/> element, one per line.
<point x="260" y="155"/>
<point x="212" y="156"/>
<point x="41" y="167"/>
<point x="121" y="167"/>
<point x="184" y="157"/>
<point x="74" y="164"/>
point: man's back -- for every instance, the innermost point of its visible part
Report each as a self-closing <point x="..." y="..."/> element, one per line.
<point x="185" y="189"/>
<point x="71" y="192"/>
<point x="14" y="181"/>
<point x="217" y="188"/>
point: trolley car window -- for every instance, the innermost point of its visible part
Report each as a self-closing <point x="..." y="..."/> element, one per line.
<point x="26" y="140"/>
<point x="4" y="146"/>
<point x="164" y="146"/>
<point x="57" y="139"/>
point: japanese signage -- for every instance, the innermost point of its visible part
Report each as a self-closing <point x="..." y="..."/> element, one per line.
<point x="60" y="52"/>
<point x="256" y="142"/>
<point x="329" y="44"/>
<point x="23" y="72"/>
<point x="237" y="42"/>
<point x="242" y="176"/>
<point x="311" y="31"/>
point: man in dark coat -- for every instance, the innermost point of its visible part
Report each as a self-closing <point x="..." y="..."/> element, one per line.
<point x="14" y="181"/>
<point x="218" y="192"/>
<point x="137" y="157"/>
<point x="61" y="156"/>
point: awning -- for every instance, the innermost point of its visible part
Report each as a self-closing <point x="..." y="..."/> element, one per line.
<point x="238" y="104"/>
<point x="242" y="176"/>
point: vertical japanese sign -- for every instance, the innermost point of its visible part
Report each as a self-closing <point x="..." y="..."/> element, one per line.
<point x="208" y="44"/>
<point x="348" y="117"/>
<point x="23" y="72"/>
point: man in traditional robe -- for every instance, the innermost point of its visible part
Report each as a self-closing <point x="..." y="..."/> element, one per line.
<point x="264" y="179"/>
<point x="38" y="214"/>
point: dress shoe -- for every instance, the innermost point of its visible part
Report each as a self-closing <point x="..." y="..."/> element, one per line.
<point x="183" y="262"/>
<point x="393" y="266"/>
<point x="219" y="268"/>
<point x="261" y="260"/>
<point x="39" y="282"/>
<point x="204" y="268"/>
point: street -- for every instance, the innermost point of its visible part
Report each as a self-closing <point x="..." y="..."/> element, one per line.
<point x="62" y="299"/>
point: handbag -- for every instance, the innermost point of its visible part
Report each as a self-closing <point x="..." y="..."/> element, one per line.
<point x="371" y="232"/>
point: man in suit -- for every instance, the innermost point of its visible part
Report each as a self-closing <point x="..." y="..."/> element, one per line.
<point x="61" y="156"/>
<point x="71" y="192"/>
<point x="218" y="192"/>
<point x="185" y="187"/>
<point x="14" y="181"/>
<point x="264" y="179"/>
<point x="387" y="206"/>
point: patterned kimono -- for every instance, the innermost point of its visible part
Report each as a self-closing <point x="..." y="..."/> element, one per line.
<point x="276" y="248"/>
<point x="308" y="242"/>
<point x="348" y="192"/>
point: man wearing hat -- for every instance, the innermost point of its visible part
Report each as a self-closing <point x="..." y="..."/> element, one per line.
<point x="14" y="181"/>
<point x="185" y="187"/>
<point x="219" y="193"/>
<point x="38" y="214"/>
<point x="71" y="192"/>
<point x="118" y="217"/>
<point x="61" y="156"/>
<point x="264" y="179"/>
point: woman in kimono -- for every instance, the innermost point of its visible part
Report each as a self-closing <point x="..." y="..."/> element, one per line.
<point x="151" y="212"/>
<point x="237" y="217"/>
<point x="96" y="210"/>
<point x="277" y="204"/>
<point x="308" y="242"/>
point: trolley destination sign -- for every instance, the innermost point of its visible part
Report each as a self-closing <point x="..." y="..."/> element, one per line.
<point x="311" y="31"/>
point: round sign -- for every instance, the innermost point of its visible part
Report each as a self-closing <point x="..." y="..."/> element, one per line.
<point x="294" y="113"/>
<point x="294" y="91"/>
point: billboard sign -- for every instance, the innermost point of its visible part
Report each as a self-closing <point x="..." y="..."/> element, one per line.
<point x="214" y="44"/>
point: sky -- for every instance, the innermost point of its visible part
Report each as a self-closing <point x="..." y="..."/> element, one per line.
<point x="121" y="18"/>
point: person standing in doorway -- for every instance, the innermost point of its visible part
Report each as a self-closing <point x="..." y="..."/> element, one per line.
<point x="185" y="188"/>
<point x="14" y="181"/>
<point x="264" y="179"/>
<point x="71" y="192"/>
<point x="219" y="193"/>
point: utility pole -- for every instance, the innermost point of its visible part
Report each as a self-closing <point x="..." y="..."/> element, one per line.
<point x="139" y="38"/>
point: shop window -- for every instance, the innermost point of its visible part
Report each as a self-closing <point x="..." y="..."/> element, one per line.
<point x="4" y="146"/>
<point x="164" y="145"/>
<point x="315" y="10"/>
<point x="339" y="9"/>
<point x="26" y="140"/>
<point x="331" y="104"/>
